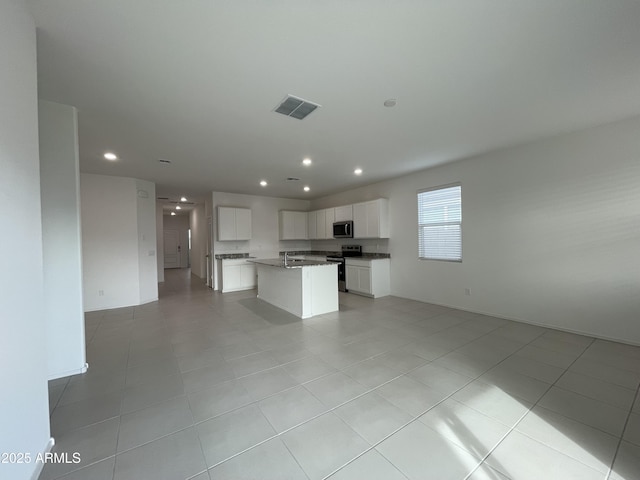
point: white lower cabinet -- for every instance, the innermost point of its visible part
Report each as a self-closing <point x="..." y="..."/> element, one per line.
<point x="368" y="277"/>
<point x="238" y="274"/>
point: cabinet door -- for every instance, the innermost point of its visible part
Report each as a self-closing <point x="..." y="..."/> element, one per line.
<point x="231" y="277"/>
<point x="343" y="213"/>
<point x="364" y="279"/>
<point x="320" y="223"/>
<point x="300" y="225"/>
<point x="360" y="217"/>
<point x="243" y="224"/>
<point x="247" y="275"/>
<point x="313" y="230"/>
<point x="373" y="220"/>
<point x="328" y="223"/>
<point x="226" y="223"/>
<point x="286" y="225"/>
<point x="353" y="278"/>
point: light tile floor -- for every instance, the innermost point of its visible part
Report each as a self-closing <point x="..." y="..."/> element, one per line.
<point x="203" y="386"/>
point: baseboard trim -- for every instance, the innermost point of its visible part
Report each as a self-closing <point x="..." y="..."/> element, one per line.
<point x="75" y="371"/>
<point x="40" y="465"/>
<point x="529" y="322"/>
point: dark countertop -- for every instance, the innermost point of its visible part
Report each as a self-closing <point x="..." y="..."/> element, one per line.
<point x="292" y="263"/>
<point x="324" y="253"/>
<point x="231" y="256"/>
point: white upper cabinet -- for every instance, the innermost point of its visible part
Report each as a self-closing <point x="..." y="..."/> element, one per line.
<point x="243" y="223"/>
<point x="321" y="224"/>
<point x="313" y="225"/>
<point x="371" y="219"/>
<point x="328" y="222"/>
<point x="343" y="213"/>
<point x="293" y="225"/>
<point x="234" y="223"/>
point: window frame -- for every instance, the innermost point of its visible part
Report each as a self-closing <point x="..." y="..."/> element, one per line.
<point x="431" y="189"/>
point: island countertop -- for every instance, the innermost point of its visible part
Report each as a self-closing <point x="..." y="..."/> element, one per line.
<point x="291" y="263"/>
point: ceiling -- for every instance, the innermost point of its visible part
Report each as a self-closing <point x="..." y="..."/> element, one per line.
<point x="197" y="83"/>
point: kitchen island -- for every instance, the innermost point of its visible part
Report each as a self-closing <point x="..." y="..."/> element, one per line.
<point x="304" y="288"/>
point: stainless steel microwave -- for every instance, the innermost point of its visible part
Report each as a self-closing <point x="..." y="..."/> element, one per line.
<point x="343" y="229"/>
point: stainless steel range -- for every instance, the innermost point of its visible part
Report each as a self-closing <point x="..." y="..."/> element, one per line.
<point x="339" y="258"/>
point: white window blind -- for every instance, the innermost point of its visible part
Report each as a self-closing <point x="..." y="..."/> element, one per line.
<point x="440" y="223"/>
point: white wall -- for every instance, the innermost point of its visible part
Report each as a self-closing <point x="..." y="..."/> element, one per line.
<point x="198" y="221"/>
<point x="62" y="245"/>
<point x="112" y="239"/>
<point x="265" y="240"/>
<point x="550" y="232"/>
<point x="24" y="412"/>
<point x="147" y="262"/>
<point x="160" y="241"/>
<point x="181" y="224"/>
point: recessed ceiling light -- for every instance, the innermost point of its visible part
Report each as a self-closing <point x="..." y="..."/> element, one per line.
<point x="390" y="102"/>
<point x="110" y="156"/>
<point x="173" y="213"/>
<point x="306" y="188"/>
<point x="358" y="171"/>
<point x="306" y="161"/>
<point x="183" y="199"/>
<point x="178" y="207"/>
<point x="263" y="183"/>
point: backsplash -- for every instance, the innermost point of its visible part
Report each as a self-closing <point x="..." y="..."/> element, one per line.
<point x="369" y="245"/>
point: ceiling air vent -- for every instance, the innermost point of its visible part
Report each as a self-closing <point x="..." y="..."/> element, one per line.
<point x="162" y="198"/>
<point x="296" y="107"/>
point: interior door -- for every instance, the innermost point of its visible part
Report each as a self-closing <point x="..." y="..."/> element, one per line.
<point x="171" y="249"/>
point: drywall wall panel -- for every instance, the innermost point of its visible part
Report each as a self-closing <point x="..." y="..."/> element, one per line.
<point x="109" y="241"/>
<point x="24" y="412"/>
<point x="147" y="262"/>
<point x="62" y="245"/>
<point x="550" y="232"/>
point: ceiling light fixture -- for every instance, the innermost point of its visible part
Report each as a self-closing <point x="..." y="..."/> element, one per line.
<point x="110" y="156"/>
<point x="183" y="199"/>
<point x="173" y="213"/>
<point x="306" y="161"/>
<point x="263" y="183"/>
<point x="306" y="188"/>
<point x="178" y="207"/>
<point x="358" y="171"/>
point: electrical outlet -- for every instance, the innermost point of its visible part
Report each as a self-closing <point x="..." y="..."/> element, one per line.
<point x="101" y="293"/>
<point x="467" y="291"/>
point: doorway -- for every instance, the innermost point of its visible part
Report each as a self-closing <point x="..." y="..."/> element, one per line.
<point x="172" y="249"/>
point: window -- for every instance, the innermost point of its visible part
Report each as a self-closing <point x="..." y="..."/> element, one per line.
<point x="440" y="223"/>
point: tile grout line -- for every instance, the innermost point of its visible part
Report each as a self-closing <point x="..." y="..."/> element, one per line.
<point x="624" y="429"/>
<point x="513" y="427"/>
<point x="340" y="405"/>
<point x="440" y="402"/>
<point x="256" y="402"/>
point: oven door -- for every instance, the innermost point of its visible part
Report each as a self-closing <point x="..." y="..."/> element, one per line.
<point x="342" y="272"/>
